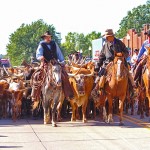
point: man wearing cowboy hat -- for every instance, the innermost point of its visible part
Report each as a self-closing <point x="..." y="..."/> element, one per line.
<point x="141" y="60"/>
<point x="112" y="45"/>
<point x="46" y="51"/>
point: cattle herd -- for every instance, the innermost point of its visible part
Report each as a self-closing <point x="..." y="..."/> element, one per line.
<point x="16" y="102"/>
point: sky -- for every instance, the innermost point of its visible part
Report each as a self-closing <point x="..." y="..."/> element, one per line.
<point x="81" y="16"/>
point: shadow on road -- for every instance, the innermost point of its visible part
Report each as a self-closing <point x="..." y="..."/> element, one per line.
<point x="11" y="147"/>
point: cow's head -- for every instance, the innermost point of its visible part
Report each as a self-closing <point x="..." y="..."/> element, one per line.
<point x="80" y="84"/>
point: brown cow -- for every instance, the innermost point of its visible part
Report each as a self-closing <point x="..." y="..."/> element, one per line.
<point x="16" y="104"/>
<point x="17" y="89"/>
<point x="3" y="101"/>
<point x="82" y="85"/>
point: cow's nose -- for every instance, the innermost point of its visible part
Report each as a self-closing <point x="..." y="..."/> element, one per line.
<point x="82" y="93"/>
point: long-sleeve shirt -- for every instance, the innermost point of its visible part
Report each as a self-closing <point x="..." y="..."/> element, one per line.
<point x="143" y="49"/>
<point x="107" y="52"/>
<point x="39" y="52"/>
<point x="134" y="59"/>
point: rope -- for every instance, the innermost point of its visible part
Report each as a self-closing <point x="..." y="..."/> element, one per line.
<point x="38" y="83"/>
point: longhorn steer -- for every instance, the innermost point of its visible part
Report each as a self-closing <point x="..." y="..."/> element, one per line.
<point x="82" y="85"/>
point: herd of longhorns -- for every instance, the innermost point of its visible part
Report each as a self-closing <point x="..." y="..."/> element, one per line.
<point x="15" y="91"/>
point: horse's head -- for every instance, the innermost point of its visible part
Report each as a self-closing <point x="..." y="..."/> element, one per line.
<point x="148" y="50"/>
<point x="147" y="57"/>
<point x="55" y="71"/>
<point x="119" y="64"/>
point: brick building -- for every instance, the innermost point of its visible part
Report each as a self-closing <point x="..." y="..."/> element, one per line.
<point x="134" y="40"/>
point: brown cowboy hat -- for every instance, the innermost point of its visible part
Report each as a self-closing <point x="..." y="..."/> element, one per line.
<point x="108" y="32"/>
<point x="147" y="33"/>
<point x="46" y="34"/>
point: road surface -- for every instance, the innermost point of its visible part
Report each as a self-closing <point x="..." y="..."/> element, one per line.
<point x="28" y="134"/>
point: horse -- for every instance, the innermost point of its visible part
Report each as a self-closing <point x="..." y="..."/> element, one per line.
<point x="146" y="79"/>
<point x="116" y="85"/>
<point x="52" y="93"/>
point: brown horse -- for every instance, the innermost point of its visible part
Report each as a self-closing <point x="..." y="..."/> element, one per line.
<point x="116" y="84"/>
<point x="146" y="78"/>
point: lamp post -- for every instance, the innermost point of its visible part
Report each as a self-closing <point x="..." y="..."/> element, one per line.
<point x="90" y="51"/>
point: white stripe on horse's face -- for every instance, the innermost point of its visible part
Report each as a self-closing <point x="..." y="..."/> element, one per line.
<point x="119" y="62"/>
<point x="56" y="71"/>
<point x="148" y="73"/>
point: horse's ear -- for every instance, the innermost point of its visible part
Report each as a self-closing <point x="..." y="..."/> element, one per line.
<point x="119" y="54"/>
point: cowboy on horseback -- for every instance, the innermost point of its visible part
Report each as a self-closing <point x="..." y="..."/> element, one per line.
<point x="111" y="46"/>
<point x="142" y="55"/>
<point x="49" y="50"/>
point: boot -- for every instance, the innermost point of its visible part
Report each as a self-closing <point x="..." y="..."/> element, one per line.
<point x="102" y="82"/>
<point x="94" y="92"/>
<point x="139" y="67"/>
<point x="138" y="71"/>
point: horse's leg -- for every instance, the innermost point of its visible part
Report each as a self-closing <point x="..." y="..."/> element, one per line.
<point x="139" y="107"/>
<point x="110" y="109"/>
<point x="147" y="103"/>
<point x="126" y="105"/>
<point x="94" y="111"/>
<point x="54" y="108"/>
<point x="59" y="106"/>
<point x="121" y="101"/>
<point x="104" y="114"/>
<point x="142" y="109"/>
<point x="46" y="112"/>
<point x="148" y="109"/>
<point x="132" y="106"/>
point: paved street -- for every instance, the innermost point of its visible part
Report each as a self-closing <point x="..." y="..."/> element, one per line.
<point x="94" y="135"/>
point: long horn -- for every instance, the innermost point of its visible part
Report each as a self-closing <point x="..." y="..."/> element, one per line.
<point x="5" y="70"/>
<point x="89" y="75"/>
<point x="71" y="74"/>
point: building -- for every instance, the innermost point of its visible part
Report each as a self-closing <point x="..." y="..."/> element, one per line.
<point x="135" y="40"/>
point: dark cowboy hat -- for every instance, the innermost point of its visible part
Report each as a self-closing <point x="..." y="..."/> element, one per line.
<point x="108" y="32"/>
<point x="46" y="34"/>
<point x="136" y="50"/>
<point x="147" y="33"/>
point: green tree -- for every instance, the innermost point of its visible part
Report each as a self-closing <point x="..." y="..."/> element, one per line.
<point x="69" y="46"/>
<point x="76" y="42"/>
<point x="24" y="41"/>
<point x="134" y="19"/>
